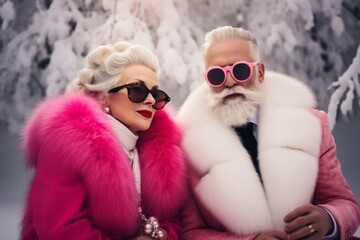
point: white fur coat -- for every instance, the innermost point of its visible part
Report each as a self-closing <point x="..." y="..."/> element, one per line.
<point x="289" y="138"/>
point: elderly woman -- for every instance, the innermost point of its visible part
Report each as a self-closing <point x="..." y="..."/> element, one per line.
<point x="107" y="159"/>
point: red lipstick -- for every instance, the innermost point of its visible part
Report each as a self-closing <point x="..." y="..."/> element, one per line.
<point x="145" y="113"/>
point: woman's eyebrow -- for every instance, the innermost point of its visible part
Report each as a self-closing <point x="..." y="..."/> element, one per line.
<point x="142" y="82"/>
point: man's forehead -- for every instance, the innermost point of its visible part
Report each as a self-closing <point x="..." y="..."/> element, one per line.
<point x="228" y="52"/>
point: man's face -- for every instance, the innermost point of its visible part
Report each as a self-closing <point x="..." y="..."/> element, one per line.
<point x="228" y="52"/>
<point x="234" y="102"/>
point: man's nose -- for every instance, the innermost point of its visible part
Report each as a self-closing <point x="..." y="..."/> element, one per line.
<point x="230" y="81"/>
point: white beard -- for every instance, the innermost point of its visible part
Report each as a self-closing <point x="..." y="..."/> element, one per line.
<point x="236" y="112"/>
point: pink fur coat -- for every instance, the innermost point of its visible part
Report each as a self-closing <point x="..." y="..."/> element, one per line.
<point x="83" y="186"/>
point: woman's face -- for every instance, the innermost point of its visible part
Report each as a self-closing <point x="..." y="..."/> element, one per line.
<point x="135" y="116"/>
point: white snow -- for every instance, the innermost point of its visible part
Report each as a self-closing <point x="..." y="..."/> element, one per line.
<point x="337" y="25"/>
<point x="7" y="13"/>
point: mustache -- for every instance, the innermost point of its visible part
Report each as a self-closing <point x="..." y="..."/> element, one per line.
<point x="249" y="94"/>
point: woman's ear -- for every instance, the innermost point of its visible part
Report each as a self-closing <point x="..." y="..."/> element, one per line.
<point x="102" y="98"/>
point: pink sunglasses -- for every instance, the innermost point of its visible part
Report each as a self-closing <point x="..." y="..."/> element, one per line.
<point x="241" y="72"/>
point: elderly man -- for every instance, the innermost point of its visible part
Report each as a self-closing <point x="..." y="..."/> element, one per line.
<point x="263" y="162"/>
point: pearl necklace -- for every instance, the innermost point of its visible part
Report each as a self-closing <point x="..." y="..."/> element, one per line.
<point x="150" y="226"/>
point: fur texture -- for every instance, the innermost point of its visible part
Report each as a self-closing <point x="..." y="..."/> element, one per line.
<point x="69" y="142"/>
<point x="289" y="137"/>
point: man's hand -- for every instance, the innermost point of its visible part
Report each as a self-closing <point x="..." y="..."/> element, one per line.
<point x="271" y="234"/>
<point x="307" y="222"/>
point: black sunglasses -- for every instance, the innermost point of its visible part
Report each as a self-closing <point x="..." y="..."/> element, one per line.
<point x="138" y="92"/>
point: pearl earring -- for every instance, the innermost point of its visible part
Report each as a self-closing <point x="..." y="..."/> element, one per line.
<point x="107" y="110"/>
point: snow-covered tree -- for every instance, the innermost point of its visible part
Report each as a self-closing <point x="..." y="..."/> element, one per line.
<point x="43" y="43"/>
<point x="348" y="83"/>
<point x="319" y="40"/>
<point x="41" y="59"/>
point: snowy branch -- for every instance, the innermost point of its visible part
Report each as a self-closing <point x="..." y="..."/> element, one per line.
<point x="348" y="83"/>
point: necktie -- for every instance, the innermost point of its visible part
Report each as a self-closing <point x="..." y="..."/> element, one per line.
<point x="246" y="135"/>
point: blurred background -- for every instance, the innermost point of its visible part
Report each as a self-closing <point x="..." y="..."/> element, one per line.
<point x="43" y="44"/>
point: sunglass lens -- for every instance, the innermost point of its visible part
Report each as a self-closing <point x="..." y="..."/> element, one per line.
<point x="138" y="93"/>
<point x="161" y="98"/>
<point x="241" y="71"/>
<point x="216" y="76"/>
<point x="158" y="95"/>
<point x="159" y="105"/>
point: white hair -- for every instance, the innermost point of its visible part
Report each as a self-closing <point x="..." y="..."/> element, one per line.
<point x="228" y="32"/>
<point x="105" y="64"/>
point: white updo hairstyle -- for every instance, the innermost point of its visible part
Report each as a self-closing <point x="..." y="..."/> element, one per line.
<point x="228" y="32"/>
<point x="105" y="64"/>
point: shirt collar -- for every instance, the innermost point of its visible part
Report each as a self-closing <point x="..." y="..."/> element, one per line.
<point x="254" y="119"/>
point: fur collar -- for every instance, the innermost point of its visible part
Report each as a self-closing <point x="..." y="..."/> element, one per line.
<point x="73" y="132"/>
<point x="289" y="138"/>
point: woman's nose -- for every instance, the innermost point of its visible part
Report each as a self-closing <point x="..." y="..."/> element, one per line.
<point x="149" y="99"/>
